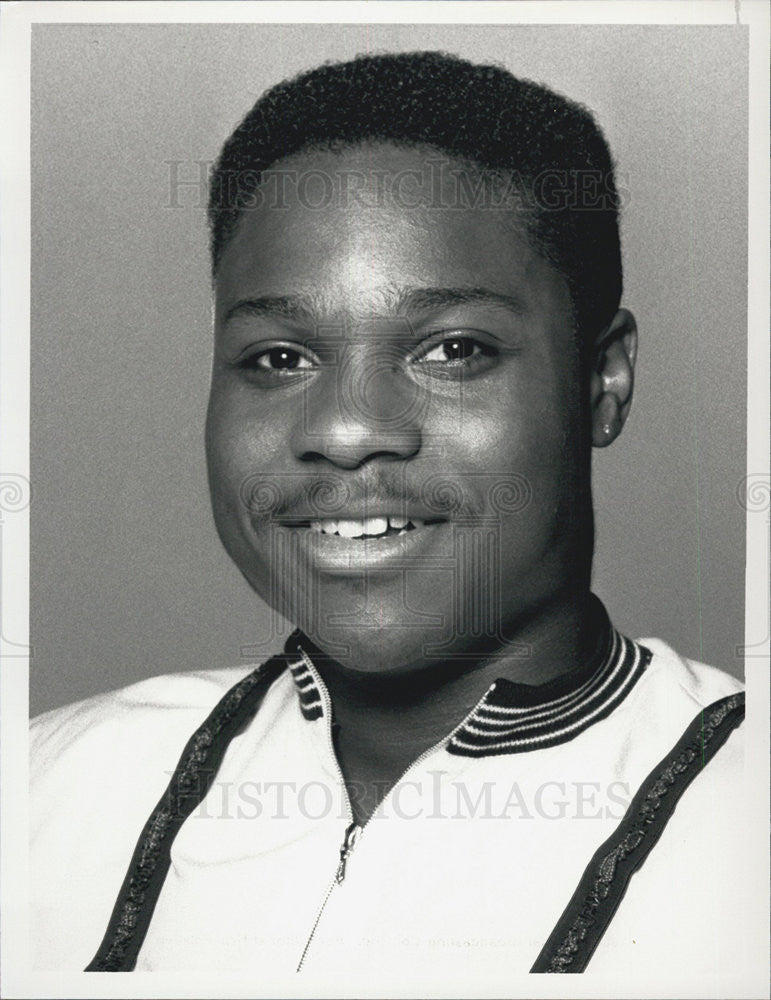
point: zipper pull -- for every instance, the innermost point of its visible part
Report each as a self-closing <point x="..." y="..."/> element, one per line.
<point x="349" y="842"/>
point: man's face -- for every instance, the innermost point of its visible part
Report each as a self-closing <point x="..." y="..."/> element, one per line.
<point x="395" y="438"/>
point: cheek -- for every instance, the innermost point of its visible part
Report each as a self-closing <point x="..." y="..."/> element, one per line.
<point x="519" y="428"/>
<point x="521" y="447"/>
<point x="224" y="445"/>
<point x="240" y="442"/>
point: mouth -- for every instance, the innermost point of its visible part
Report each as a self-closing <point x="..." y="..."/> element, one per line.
<point x="386" y="540"/>
<point x="386" y="526"/>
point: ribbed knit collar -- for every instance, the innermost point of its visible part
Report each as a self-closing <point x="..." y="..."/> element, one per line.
<point x="512" y="717"/>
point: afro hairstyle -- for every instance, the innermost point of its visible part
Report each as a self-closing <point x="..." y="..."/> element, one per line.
<point x="480" y="115"/>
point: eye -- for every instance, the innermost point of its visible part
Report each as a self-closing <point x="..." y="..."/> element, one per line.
<point x="277" y="360"/>
<point x="452" y="350"/>
<point x="456" y="355"/>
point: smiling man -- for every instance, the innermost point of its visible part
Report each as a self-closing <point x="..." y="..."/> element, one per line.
<point x="457" y="764"/>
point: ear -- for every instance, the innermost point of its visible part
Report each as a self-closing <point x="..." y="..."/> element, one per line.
<point x="612" y="379"/>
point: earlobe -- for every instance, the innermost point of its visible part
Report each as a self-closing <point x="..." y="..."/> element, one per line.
<point x="612" y="380"/>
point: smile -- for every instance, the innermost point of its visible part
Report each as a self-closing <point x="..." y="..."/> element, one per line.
<point x="369" y="527"/>
<point x="384" y="541"/>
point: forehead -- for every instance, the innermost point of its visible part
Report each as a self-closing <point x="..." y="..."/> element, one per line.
<point x="349" y="232"/>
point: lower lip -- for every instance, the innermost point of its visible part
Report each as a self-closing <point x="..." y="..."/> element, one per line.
<point x="338" y="554"/>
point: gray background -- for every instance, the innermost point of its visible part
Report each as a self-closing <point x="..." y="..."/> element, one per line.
<point x="128" y="578"/>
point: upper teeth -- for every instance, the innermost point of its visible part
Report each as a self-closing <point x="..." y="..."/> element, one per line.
<point x="349" y="528"/>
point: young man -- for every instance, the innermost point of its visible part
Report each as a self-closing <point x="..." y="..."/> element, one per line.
<point x="457" y="764"/>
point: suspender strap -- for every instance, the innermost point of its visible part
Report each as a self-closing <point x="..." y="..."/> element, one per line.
<point x="580" y="928"/>
<point x="191" y="781"/>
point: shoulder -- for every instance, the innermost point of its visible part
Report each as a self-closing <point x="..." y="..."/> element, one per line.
<point x="122" y="743"/>
<point x="671" y="694"/>
<point x="699" y="700"/>
<point x="695" y="682"/>
<point x="698" y="689"/>
<point x="689" y="904"/>
<point x="97" y="769"/>
<point x="159" y="706"/>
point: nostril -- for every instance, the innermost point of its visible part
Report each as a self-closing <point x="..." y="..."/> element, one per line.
<point x="347" y="460"/>
<point x="325" y="436"/>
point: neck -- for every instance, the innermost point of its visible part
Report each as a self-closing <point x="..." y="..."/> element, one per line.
<point x="386" y="721"/>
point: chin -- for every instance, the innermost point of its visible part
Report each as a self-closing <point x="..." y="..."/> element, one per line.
<point x="374" y="650"/>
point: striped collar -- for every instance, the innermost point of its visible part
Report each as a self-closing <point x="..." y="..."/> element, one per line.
<point x="511" y="717"/>
<point x="306" y="679"/>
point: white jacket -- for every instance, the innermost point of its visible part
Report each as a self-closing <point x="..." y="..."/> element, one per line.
<point x="462" y="872"/>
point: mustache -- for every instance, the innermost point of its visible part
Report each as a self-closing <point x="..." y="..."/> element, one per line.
<point x="328" y="494"/>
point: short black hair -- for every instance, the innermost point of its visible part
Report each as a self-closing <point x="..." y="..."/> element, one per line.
<point x="479" y="114"/>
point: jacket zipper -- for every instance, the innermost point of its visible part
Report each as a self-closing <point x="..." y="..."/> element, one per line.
<point x="354" y="832"/>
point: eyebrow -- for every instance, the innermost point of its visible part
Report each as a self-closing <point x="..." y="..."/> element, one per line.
<point x="295" y="308"/>
<point x="426" y="299"/>
<point x="306" y="309"/>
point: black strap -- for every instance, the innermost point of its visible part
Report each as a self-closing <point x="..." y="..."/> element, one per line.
<point x="191" y="781"/>
<point x="578" y="931"/>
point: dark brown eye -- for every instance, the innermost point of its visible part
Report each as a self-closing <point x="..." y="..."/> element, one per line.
<point x="281" y="358"/>
<point x="453" y="349"/>
<point x="277" y="359"/>
<point x="458" y="349"/>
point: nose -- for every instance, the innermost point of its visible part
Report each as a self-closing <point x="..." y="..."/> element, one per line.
<point x="365" y="407"/>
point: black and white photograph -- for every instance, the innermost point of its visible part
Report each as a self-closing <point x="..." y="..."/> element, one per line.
<point x="385" y="507"/>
